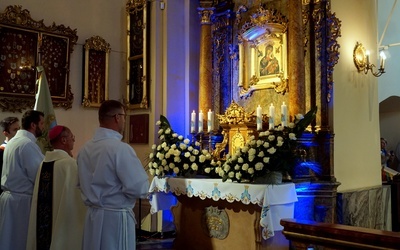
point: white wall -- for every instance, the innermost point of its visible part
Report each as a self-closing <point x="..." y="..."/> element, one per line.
<point x="356" y="117"/>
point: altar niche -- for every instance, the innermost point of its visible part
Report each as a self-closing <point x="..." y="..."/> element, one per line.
<point x="26" y="44"/>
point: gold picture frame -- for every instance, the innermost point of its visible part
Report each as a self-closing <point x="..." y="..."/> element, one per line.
<point x="263" y="53"/>
<point x="25" y="44"/>
<point x="96" y="63"/>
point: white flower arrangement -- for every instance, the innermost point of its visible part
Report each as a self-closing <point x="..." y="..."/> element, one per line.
<point x="272" y="151"/>
<point x="178" y="156"/>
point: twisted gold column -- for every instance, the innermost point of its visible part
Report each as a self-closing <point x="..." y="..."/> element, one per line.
<point x="296" y="66"/>
<point x="205" y="71"/>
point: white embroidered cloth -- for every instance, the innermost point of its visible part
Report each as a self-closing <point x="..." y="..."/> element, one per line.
<point x="266" y="196"/>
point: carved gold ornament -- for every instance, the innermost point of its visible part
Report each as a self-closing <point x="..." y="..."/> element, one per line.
<point x="359" y="57"/>
<point x="215" y="222"/>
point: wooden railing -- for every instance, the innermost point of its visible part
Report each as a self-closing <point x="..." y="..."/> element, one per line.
<point x="304" y="234"/>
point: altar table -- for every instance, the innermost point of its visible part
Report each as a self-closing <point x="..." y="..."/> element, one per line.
<point x="254" y="210"/>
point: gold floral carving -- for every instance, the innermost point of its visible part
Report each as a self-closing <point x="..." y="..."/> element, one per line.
<point x="205" y="15"/>
<point x="235" y="114"/>
<point x="328" y="21"/>
<point x="215" y="222"/>
<point x="97" y="43"/>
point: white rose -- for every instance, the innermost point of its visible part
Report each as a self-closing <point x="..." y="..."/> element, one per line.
<point x="202" y="158"/>
<point x="168" y="131"/>
<point x="185" y="166"/>
<point x="151" y="155"/>
<point x="152" y="171"/>
<point x="227" y="168"/>
<point x="194" y="167"/>
<point x="266" y="159"/>
<point x="186" y="141"/>
<point x="261" y="154"/>
<point x="160" y="131"/>
<point x="271" y="150"/>
<point x="187" y="154"/>
<point x="158" y="147"/>
<point x="245" y="167"/>
<point x="231" y="174"/>
<point x="174" y="135"/>
<point x="238" y="175"/>
<point x="176" y="170"/>
<point x="240" y="160"/>
<point x="192" y="158"/>
<point x="271" y="137"/>
<point x="207" y="170"/>
<point x="292" y="136"/>
<point x="251" y="158"/>
<point x="196" y="152"/>
<point x="237" y="167"/>
<point x="182" y="146"/>
<point x="154" y="146"/>
<point x="164" y="162"/>
<point x="177" y="159"/>
<point x="190" y="148"/>
<point x="250" y="170"/>
<point x="259" y="166"/>
<point x="158" y="123"/>
<point x="266" y="145"/>
<point x="252" y="152"/>
<point x="259" y="143"/>
<point x="279" y="143"/>
<point x="162" y="137"/>
<point x="173" y="146"/>
<point x="164" y="144"/>
<point x="291" y="125"/>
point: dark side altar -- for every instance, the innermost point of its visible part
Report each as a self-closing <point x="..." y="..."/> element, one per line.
<point x="211" y="214"/>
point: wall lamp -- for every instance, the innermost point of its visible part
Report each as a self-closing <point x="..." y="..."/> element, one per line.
<point x="361" y="60"/>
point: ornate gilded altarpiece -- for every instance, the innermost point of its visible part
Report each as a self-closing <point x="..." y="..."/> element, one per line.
<point x="25" y="44"/>
<point x="137" y="92"/>
<point x="242" y="32"/>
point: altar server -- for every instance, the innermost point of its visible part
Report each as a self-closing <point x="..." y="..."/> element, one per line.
<point x="111" y="178"/>
<point x="57" y="207"/>
<point x="22" y="158"/>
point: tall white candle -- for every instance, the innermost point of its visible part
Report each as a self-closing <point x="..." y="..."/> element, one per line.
<point x="201" y="119"/>
<point x="383" y="58"/>
<point x="271" y="116"/>
<point x="210" y="121"/>
<point x="193" y="122"/>
<point x="284" y="115"/>
<point x="259" y="118"/>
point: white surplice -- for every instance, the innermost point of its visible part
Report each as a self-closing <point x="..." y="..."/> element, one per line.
<point x="68" y="209"/>
<point x="111" y="178"/>
<point x="22" y="158"/>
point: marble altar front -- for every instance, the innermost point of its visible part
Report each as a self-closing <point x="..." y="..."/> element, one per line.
<point x="253" y="211"/>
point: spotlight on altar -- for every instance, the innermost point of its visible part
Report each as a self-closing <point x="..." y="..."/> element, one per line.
<point x="362" y="61"/>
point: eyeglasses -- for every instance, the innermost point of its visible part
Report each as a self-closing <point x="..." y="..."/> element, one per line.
<point x="124" y="115"/>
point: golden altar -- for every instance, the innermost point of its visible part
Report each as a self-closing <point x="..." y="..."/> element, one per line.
<point x="211" y="214"/>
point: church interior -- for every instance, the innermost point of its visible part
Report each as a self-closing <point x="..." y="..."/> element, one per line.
<point x="175" y="58"/>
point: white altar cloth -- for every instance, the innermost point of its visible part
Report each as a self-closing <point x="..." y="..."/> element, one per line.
<point x="276" y="201"/>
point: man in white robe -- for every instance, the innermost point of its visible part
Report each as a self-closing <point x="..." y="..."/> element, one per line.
<point x="22" y="158"/>
<point x="111" y="178"/>
<point x="61" y="217"/>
